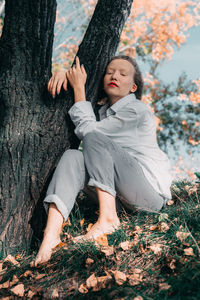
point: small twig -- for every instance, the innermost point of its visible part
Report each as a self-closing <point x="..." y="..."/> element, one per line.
<point x="193" y="239"/>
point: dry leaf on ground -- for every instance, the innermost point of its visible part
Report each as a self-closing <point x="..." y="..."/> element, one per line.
<point x="164" y="286"/>
<point x="182" y="235"/>
<point x="109" y="250"/>
<point x="172" y="264"/>
<point x="82" y="222"/>
<point x="83" y="289"/>
<point x="55" y="294"/>
<point x="91" y="281"/>
<point x="170" y="202"/>
<point x="39" y="276"/>
<point x="11" y="259"/>
<point x="14" y="280"/>
<point x="28" y="273"/>
<point x="30" y="294"/>
<point x="102" y="240"/>
<point x="189" y="251"/>
<point x="156" y="248"/>
<point x="5" y="285"/>
<point x="89" y="262"/>
<point x="18" y="290"/>
<point x="124" y="245"/>
<point x="18" y="256"/>
<point x="163" y="227"/>
<point x="103" y="280"/>
<point x="119" y="276"/>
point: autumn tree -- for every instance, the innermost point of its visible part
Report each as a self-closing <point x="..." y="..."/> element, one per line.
<point x="34" y="128"/>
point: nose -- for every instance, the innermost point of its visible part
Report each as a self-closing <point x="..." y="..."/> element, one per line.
<point x="115" y="75"/>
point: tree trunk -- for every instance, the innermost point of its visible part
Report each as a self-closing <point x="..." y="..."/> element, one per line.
<point x="34" y="128"/>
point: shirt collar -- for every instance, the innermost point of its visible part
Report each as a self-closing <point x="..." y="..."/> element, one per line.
<point x="121" y="102"/>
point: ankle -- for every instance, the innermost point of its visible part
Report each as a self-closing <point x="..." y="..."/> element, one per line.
<point x="109" y="220"/>
<point x="52" y="233"/>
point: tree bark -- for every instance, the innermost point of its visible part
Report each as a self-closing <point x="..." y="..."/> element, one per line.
<point x="35" y="129"/>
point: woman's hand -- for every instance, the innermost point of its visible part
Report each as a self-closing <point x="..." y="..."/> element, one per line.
<point x="77" y="78"/>
<point x="77" y="75"/>
<point x="58" y="80"/>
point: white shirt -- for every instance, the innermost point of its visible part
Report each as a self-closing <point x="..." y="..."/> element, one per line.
<point x="130" y="124"/>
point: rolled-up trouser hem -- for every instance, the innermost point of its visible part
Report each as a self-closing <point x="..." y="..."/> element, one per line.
<point x="53" y="198"/>
<point x="102" y="186"/>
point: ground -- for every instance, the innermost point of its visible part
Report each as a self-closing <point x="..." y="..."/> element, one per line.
<point x="151" y="256"/>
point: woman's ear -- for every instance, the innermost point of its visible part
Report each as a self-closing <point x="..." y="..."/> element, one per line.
<point x="134" y="88"/>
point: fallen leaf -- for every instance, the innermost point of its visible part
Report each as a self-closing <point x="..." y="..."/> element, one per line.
<point x="103" y="280"/>
<point x="27" y="273"/>
<point x="18" y="290"/>
<point x="142" y="248"/>
<point x="108" y="250"/>
<point x="91" y="281"/>
<point x="156" y="248"/>
<point x="153" y="227"/>
<point x="39" y="276"/>
<point x="182" y="235"/>
<point x="125" y="245"/>
<point x="30" y="294"/>
<point x="120" y="277"/>
<point x="138" y="298"/>
<point x="14" y="280"/>
<point x="102" y="240"/>
<point x="132" y="280"/>
<point x="170" y="202"/>
<point x="61" y="245"/>
<point x="82" y="222"/>
<point x="137" y="229"/>
<point x="189" y="251"/>
<point x="89" y="227"/>
<point x="18" y="256"/>
<point x="11" y="259"/>
<point x="89" y="262"/>
<point x="163" y="227"/>
<point x="172" y="264"/>
<point x="164" y="286"/>
<point x="135" y="241"/>
<point x="83" y="289"/>
<point x="5" y="285"/>
<point x="55" y="294"/>
<point x="136" y="271"/>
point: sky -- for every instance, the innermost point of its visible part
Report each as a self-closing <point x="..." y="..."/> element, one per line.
<point x="187" y="59"/>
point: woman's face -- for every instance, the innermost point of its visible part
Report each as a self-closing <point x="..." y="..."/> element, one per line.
<point x="118" y="80"/>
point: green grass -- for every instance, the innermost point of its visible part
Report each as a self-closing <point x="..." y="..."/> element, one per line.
<point x="171" y="267"/>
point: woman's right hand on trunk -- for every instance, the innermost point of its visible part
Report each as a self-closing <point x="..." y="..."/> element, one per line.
<point x="58" y="80"/>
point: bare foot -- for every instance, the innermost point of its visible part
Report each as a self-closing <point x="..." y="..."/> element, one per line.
<point x="98" y="229"/>
<point x="44" y="254"/>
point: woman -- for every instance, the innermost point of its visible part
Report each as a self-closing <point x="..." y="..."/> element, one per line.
<point x="120" y="153"/>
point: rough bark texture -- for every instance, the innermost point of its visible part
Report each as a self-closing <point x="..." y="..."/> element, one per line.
<point x="34" y="128"/>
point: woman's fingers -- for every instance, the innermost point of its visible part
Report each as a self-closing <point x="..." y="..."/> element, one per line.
<point x="83" y="70"/>
<point x="77" y="62"/>
<point x="65" y="85"/>
<point x="56" y="82"/>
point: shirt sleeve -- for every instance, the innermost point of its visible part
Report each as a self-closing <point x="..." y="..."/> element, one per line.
<point x="84" y="119"/>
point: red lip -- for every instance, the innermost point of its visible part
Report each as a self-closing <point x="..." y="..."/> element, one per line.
<point x="113" y="84"/>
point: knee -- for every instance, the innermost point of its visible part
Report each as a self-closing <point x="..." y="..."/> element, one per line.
<point x="72" y="155"/>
